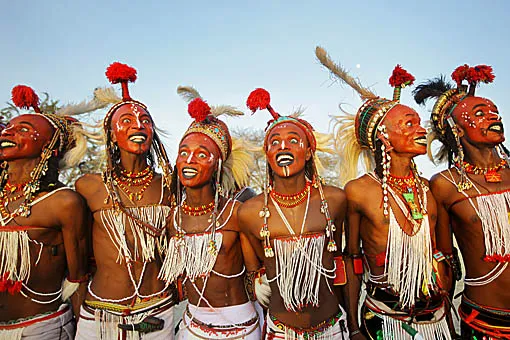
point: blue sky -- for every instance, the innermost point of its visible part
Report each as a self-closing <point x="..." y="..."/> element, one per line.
<point x="227" y="48"/>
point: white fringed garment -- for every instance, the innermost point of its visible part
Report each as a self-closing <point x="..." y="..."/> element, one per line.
<point x="145" y="245"/>
<point x="299" y="270"/>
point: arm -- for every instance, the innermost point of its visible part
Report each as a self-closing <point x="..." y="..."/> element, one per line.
<point x="75" y="232"/>
<point x="340" y="208"/>
<point x="352" y="289"/>
<point x="255" y="280"/>
<point x="443" y="236"/>
<point x="443" y="242"/>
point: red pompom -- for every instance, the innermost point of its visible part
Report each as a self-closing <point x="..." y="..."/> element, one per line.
<point x="118" y="73"/>
<point x="25" y="97"/>
<point x="400" y="77"/>
<point x="459" y="74"/>
<point x="480" y="73"/>
<point x="14" y="287"/>
<point x="198" y="109"/>
<point x="258" y="99"/>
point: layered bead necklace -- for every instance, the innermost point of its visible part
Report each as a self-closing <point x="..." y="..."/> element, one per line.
<point x="201" y="210"/>
<point x="16" y="191"/>
<point x="408" y="188"/>
<point x="490" y="174"/>
<point x="128" y="179"/>
<point x="292" y="200"/>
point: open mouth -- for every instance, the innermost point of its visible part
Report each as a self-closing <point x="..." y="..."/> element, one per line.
<point x="496" y="127"/>
<point x="138" y="138"/>
<point x="422" y="140"/>
<point x="189" y="173"/>
<point x="284" y="159"/>
<point x="7" y="144"/>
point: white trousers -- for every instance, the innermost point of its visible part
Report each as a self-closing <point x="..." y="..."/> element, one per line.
<point x="55" y="326"/>
<point x="334" y="332"/>
<point x="227" y="320"/>
<point x="105" y="327"/>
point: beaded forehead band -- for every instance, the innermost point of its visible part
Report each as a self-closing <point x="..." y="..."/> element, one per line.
<point x="374" y="111"/>
<point x="447" y="101"/>
<point x="123" y="74"/>
<point x="25" y="97"/>
<point x="209" y="125"/>
<point x="259" y="99"/>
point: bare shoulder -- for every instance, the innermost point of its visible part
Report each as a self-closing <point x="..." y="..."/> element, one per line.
<point x="334" y="194"/>
<point x="88" y="184"/>
<point x="248" y="212"/>
<point x="67" y="200"/>
<point x="441" y="187"/>
<point x="361" y="188"/>
<point x="252" y="204"/>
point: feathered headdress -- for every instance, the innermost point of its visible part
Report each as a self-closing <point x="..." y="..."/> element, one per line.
<point x="356" y="134"/>
<point x="68" y="141"/>
<point x="118" y="73"/>
<point x="70" y="134"/>
<point x="448" y="97"/>
<point x="259" y="99"/>
<point x="236" y="161"/>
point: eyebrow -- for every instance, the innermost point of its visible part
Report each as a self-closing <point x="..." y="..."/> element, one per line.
<point x="274" y="135"/>
<point x="27" y="123"/>
<point x="294" y="133"/>
<point x="199" y="147"/>
<point x="478" y="105"/>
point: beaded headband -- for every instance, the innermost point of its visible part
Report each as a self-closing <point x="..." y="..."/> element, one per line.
<point x="210" y="126"/>
<point x="259" y="99"/>
<point x="447" y="102"/>
<point x="25" y="97"/>
<point x="123" y="74"/>
<point x="374" y="110"/>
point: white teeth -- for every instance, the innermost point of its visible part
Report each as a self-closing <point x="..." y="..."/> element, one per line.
<point x="188" y="172"/>
<point x="421" y="141"/>
<point x="284" y="158"/>
<point x="6" y="144"/>
<point x="495" y="128"/>
<point x="138" y="139"/>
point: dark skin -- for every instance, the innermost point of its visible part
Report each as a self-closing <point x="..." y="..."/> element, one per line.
<point x="200" y="153"/>
<point x="63" y="234"/>
<point x="251" y="224"/>
<point x="111" y="279"/>
<point x="460" y="218"/>
<point x="366" y="222"/>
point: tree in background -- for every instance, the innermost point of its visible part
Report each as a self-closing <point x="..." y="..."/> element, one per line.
<point x="93" y="160"/>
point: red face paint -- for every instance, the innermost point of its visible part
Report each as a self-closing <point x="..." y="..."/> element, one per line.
<point x="480" y="121"/>
<point x="25" y="137"/>
<point x="197" y="160"/>
<point x="287" y="149"/>
<point x="132" y="129"/>
<point x="405" y="133"/>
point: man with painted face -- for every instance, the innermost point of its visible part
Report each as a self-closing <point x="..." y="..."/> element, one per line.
<point x="473" y="197"/>
<point x="295" y="228"/>
<point x="43" y="239"/>
<point x="396" y="224"/>
<point x="208" y="247"/>
<point x="128" y="206"/>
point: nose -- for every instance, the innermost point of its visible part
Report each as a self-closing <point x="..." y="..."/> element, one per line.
<point x="6" y="131"/>
<point x="493" y="115"/>
<point x="421" y="130"/>
<point x="283" y="145"/>
<point x="189" y="158"/>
